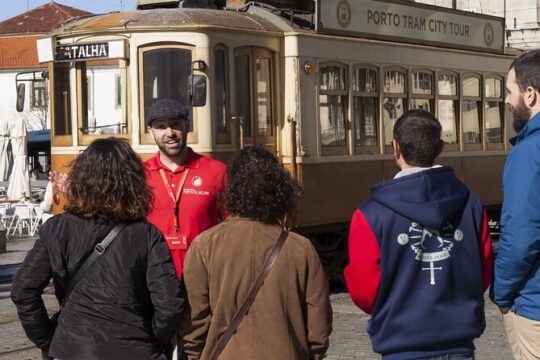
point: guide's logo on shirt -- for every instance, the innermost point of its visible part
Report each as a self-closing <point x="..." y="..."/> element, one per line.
<point x="430" y="246"/>
<point x="196" y="181"/>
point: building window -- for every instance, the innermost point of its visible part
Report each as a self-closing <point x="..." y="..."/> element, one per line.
<point x="447" y="106"/>
<point x="471" y="110"/>
<point x="220" y="96"/>
<point x="394" y="101"/>
<point x="365" y="106"/>
<point x="422" y="90"/>
<point x="39" y="95"/>
<point x="494" y="112"/>
<point x="333" y="94"/>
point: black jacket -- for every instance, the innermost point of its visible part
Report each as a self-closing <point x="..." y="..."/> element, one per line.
<point x="127" y="306"/>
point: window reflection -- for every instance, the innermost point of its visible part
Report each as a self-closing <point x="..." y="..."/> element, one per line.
<point x="220" y="91"/>
<point x="493" y="87"/>
<point x="62" y="102"/>
<point x="243" y="99"/>
<point x="165" y="75"/>
<point x="333" y="105"/>
<point x="364" y="80"/>
<point x="494" y="111"/>
<point x="448" y="119"/>
<point x="471" y="86"/>
<point x="394" y="81"/>
<point x="392" y="110"/>
<point x="422" y="83"/>
<point x="264" y="118"/>
<point x="447" y="84"/>
<point x="471" y="122"/>
<point x="365" y="119"/>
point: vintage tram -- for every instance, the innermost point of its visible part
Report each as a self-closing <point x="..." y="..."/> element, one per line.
<point x="319" y="83"/>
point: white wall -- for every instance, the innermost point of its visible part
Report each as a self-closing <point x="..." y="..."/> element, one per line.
<point x="8" y="100"/>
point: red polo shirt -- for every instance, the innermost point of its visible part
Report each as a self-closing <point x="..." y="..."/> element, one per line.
<point x="198" y="208"/>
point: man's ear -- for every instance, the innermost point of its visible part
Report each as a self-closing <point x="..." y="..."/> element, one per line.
<point x="396" y="149"/>
<point x="149" y="129"/>
<point x="530" y="97"/>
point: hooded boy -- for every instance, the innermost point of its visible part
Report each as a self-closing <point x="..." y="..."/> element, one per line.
<point x="420" y="253"/>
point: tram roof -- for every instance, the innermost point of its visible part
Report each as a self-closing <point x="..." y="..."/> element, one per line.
<point x="254" y="19"/>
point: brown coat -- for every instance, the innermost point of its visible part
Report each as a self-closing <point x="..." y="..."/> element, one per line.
<point x="291" y="317"/>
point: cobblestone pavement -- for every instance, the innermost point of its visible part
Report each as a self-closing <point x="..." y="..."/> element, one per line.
<point x="348" y="341"/>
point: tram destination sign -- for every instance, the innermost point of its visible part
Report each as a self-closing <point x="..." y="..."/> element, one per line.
<point x="86" y="51"/>
<point x="412" y="23"/>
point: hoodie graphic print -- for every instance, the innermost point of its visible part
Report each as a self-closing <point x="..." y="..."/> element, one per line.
<point x="420" y="259"/>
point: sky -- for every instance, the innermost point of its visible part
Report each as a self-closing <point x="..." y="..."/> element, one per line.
<point x="11" y="8"/>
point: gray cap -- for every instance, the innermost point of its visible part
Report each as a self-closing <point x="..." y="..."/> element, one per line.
<point x="167" y="108"/>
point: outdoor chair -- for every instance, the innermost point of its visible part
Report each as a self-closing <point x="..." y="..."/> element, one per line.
<point x="22" y="218"/>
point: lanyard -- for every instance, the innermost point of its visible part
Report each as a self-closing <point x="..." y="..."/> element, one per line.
<point x="175" y="197"/>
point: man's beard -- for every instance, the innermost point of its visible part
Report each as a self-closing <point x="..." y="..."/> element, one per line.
<point x="521" y="116"/>
<point x="169" y="152"/>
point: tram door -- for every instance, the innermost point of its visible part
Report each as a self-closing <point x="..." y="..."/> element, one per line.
<point x="253" y="69"/>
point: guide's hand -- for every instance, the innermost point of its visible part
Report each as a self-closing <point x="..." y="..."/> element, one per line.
<point x="59" y="181"/>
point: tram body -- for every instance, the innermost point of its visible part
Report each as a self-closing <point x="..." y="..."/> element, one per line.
<point x="324" y="104"/>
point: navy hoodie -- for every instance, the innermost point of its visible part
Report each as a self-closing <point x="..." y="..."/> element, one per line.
<point x="420" y="259"/>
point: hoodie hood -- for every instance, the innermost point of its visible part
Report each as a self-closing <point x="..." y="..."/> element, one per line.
<point x="431" y="197"/>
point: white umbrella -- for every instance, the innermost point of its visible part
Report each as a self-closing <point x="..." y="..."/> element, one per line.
<point x="4" y="156"/>
<point x="19" y="180"/>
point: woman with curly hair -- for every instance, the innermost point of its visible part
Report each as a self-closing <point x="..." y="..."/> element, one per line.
<point x="291" y="317"/>
<point x="128" y="303"/>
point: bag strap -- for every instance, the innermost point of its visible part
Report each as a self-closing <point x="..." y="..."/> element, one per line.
<point x="99" y="249"/>
<point x="254" y="290"/>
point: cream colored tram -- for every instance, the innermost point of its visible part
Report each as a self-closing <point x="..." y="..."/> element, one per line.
<point x="257" y="74"/>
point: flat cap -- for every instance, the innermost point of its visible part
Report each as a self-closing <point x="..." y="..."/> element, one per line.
<point x="167" y="108"/>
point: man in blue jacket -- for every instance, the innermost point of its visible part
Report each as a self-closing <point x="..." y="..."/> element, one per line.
<point x="516" y="287"/>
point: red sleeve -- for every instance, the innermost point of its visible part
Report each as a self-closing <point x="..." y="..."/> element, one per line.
<point x="363" y="274"/>
<point x="486" y="252"/>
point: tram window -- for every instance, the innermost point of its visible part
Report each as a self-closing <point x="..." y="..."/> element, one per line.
<point x="220" y="91"/>
<point x="394" y="102"/>
<point x="494" y="112"/>
<point x="165" y="75"/>
<point x="471" y="110"/>
<point x="102" y="112"/>
<point x="422" y="91"/>
<point x="62" y="102"/>
<point x="243" y="99"/>
<point x="447" y="105"/>
<point x="365" y="107"/>
<point x="333" y="106"/>
<point x="264" y="98"/>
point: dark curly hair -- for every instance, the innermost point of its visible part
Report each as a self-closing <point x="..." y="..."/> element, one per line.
<point x="107" y="183"/>
<point x="259" y="188"/>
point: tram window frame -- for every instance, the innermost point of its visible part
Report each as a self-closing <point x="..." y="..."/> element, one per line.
<point x="85" y="104"/>
<point x="61" y="72"/>
<point x="253" y="54"/>
<point x="222" y="106"/>
<point x="500" y="103"/>
<point x="373" y="95"/>
<point x="454" y="98"/>
<point x="423" y="96"/>
<point x="145" y="136"/>
<point x="471" y="99"/>
<point x="387" y="130"/>
<point x="340" y="149"/>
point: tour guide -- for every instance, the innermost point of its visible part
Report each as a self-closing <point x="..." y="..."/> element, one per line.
<point x="185" y="184"/>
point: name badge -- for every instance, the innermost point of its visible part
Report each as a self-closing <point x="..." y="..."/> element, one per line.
<point x="177" y="242"/>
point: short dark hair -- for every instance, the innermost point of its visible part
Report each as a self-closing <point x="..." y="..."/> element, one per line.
<point x="259" y="188"/>
<point x="107" y="183"/>
<point x="527" y="68"/>
<point x="418" y="134"/>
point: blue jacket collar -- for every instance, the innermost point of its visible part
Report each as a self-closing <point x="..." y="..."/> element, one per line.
<point x="532" y="126"/>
